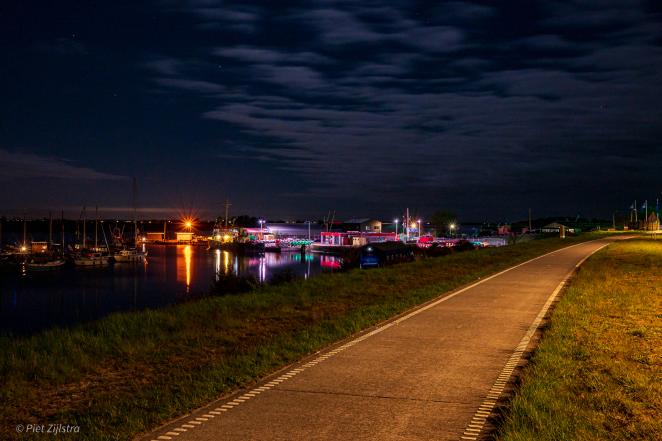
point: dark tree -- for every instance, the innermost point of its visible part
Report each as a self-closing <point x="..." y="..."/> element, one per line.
<point x="441" y="220"/>
<point x="246" y="221"/>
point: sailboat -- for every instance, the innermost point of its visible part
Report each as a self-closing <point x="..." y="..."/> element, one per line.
<point x="133" y="254"/>
<point x="89" y="258"/>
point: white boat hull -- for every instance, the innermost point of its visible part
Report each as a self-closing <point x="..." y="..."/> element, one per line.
<point x="46" y="266"/>
<point x="134" y="258"/>
<point x="91" y="261"/>
<point x="126" y="256"/>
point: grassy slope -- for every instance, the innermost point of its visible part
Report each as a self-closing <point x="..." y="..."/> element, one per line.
<point x="597" y="374"/>
<point x="131" y="371"/>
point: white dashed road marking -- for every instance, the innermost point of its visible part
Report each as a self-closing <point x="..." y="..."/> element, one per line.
<point x="495" y="392"/>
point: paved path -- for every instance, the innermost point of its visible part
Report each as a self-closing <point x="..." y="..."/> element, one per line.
<point x="434" y="374"/>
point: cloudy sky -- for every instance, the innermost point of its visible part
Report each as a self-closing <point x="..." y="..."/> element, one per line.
<point x="484" y="108"/>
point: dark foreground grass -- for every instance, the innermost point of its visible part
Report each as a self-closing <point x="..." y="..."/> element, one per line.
<point x="597" y="374"/>
<point x="129" y="372"/>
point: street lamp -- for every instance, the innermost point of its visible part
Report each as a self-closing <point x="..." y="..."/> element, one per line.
<point x="419" y="228"/>
<point x="451" y="227"/>
<point x="188" y="223"/>
<point x="261" y="221"/>
<point x="396" y="226"/>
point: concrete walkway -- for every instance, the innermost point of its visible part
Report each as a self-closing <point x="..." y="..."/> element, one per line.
<point x="434" y="374"/>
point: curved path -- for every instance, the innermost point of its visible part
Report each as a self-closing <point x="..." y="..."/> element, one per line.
<point x="435" y="373"/>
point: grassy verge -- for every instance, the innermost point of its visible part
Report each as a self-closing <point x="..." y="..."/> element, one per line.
<point x="131" y="371"/>
<point x="597" y="373"/>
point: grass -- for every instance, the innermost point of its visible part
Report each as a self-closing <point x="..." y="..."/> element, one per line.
<point x="129" y="372"/>
<point x="597" y="374"/>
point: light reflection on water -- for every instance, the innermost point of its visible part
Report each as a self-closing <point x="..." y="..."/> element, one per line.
<point x="172" y="273"/>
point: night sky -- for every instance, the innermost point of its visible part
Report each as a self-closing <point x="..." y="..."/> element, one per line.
<point x="363" y="107"/>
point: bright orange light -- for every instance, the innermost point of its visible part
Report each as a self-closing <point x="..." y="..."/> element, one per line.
<point x="188" y="223"/>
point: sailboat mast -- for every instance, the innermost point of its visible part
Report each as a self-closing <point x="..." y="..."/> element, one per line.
<point x="227" y="210"/>
<point x="84" y="228"/>
<point x="62" y="216"/>
<point x="50" y="229"/>
<point x="25" y="232"/>
<point x="96" y="227"/>
<point x="135" y="212"/>
<point x="407" y="223"/>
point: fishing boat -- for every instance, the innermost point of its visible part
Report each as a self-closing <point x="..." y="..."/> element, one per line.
<point x="48" y="265"/>
<point x="91" y="259"/>
<point x="272" y="246"/>
<point x="129" y="255"/>
<point x="243" y="248"/>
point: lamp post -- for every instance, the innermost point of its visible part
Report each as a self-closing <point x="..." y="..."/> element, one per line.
<point x="396" y="226"/>
<point x="419" y="228"/>
<point x="451" y="227"/>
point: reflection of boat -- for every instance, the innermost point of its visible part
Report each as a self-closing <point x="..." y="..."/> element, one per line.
<point x="91" y="259"/>
<point x="129" y="255"/>
<point x="330" y="262"/>
<point x="48" y="265"/>
<point x="11" y="261"/>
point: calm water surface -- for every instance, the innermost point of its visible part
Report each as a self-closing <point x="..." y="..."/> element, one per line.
<point x="30" y="302"/>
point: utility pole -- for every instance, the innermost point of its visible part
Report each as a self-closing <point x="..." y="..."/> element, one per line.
<point x="646" y="204"/>
<point x="530" y="220"/>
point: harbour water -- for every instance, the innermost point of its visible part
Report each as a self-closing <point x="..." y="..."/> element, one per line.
<point x="30" y="302"/>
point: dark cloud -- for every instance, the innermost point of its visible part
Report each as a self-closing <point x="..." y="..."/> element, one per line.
<point x="264" y="55"/>
<point x="18" y="165"/>
<point x="191" y="85"/>
<point x="486" y="107"/>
